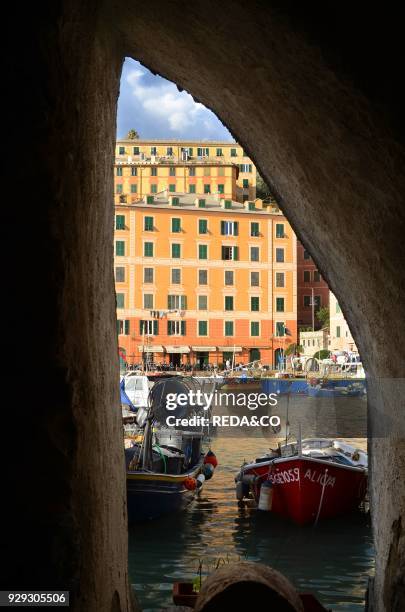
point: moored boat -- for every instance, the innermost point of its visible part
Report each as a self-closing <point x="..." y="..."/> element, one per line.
<point x="315" y="479"/>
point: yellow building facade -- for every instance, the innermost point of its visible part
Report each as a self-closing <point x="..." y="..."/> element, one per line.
<point x="160" y="152"/>
<point x="202" y="279"/>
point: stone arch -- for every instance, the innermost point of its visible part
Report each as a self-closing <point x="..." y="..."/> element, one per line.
<point x="317" y="104"/>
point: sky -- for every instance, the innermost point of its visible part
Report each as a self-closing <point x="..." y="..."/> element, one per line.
<point x="155" y="108"/>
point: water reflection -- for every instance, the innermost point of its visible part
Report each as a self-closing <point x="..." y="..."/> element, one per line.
<point x="332" y="560"/>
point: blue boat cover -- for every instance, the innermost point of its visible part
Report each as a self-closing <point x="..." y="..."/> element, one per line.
<point x="124" y="397"/>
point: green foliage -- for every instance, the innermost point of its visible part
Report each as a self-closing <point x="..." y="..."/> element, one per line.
<point x="322" y="354"/>
<point x="133" y="135"/>
<point x="323" y="316"/>
<point x="294" y="349"/>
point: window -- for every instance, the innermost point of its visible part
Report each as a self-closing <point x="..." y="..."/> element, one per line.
<point x="202" y="277"/>
<point x="338" y="309"/>
<point x="118" y="188"/>
<point x="221" y="171"/>
<point x="191" y="188"/>
<point x="207" y="188"/>
<point x="148" y="300"/>
<point x="120" y="248"/>
<point x="229" y="228"/>
<point x="153" y="150"/>
<point x="229" y="277"/>
<point x="254" y="303"/>
<point x="134" y="171"/>
<point x="280" y="255"/>
<point x="280" y="230"/>
<point x="169" y="150"/>
<point x="228" y="328"/>
<point x="233" y="152"/>
<point x="306" y="255"/>
<point x="172" y="187"/>
<point x="229" y="302"/>
<point x="254" y="328"/>
<point x="176" y="328"/>
<point x="150" y="199"/>
<point x="307" y="301"/>
<point x="279" y="304"/>
<point x="245" y="183"/>
<point x="120" y="274"/>
<point x="219" y="153"/>
<point x="280" y="279"/>
<point x="228" y="204"/>
<point x="254" y="229"/>
<point x="136" y="151"/>
<point x="229" y="253"/>
<point x="201" y="203"/>
<point x="203" y="151"/>
<point x="221" y="188"/>
<point x="134" y="188"/>
<point x="148" y="249"/>
<point x="176" y="225"/>
<point x="153" y="171"/>
<point x="120" y="222"/>
<point x="176" y="276"/>
<point x="148" y="275"/>
<point x="191" y="171"/>
<point x="338" y="331"/>
<point x="203" y="328"/>
<point x="119" y="172"/>
<point x="202" y="226"/>
<point x="254" y="253"/>
<point x="120" y="300"/>
<point x="176" y="251"/>
<point x="153" y="188"/>
<point x="202" y="251"/>
<point x="148" y="224"/>
<point x="245" y="167"/>
<point x="149" y="328"/>
<point x="177" y="302"/>
<point x="307" y="276"/>
<point x="255" y="279"/>
<point x="317" y="276"/>
<point x="121" y="151"/>
<point x="317" y="302"/>
<point x="123" y="327"/>
<point x="280" y="328"/>
<point x="202" y="302"/>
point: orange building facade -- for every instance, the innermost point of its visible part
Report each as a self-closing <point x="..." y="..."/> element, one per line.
<point x="312" y="290"/>
<point x="202" y="279"/>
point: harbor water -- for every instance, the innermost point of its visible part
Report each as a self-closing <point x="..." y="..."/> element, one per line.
<point x="332" y="560"/>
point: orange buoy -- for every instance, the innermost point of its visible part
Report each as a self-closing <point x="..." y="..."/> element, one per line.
<point x="190" y="483"/>
<point x="210" y="457"/>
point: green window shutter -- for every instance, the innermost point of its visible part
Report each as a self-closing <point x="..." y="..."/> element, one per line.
<point x="251" y="206"/>
<point x="126" y="327"/>
<point x="250" y="167"/>
<point x="190" y="151"/>
<point x="202" y="251"/>
<point x="176" y="251"/>
<point x="148" y="249"/>
<point x="233" y="152"/>
<point x="245" y="183"/>
<point x="254" y="229"/>
<point x="136" y="151"/>
<point x="118" y="188"/>
<point x="201" y="203"/>
<point x="120" y="248"/>
<point x="279" y="304"/>
<point x="183" y="328"/>
<point x="207" y="188"/>
<point x="199" y="152"/>
<point x="172" y="188"/>
<point x="134" y="188"/>
<point x="221" y="188"/>
<point x="228" y="302"/>
<point x="279" y="230"/>
<point x="235" y="253"/>
<point x="150" y="199"/>
<point x="134" y="171"/>
<point x="202" y="328"/>
<point x="202" y="226"/>
<point x="120" y="222"/>
<point x="191" y="188"/>
<point x="169" y="328"/>
<point x="254" y="328"/>
<point x="254" y="303"/>
<point x="176" y="225"/>
<point x="279" y="328"/>
<point x="120" y="300"/>
<point x="228" y="328"/>
<point x="148" y="224"/>
<point x="153" y="188"/>
<point x="119" y="171"/>
<point x="236" y="228"/>
<point x="223" y="228"/>
<point x="118" y="322"/>
<point x="228" y="204"/>
<point x="155" y="328"/>
<point x="121" y="151"/>
<point x="183" y="302"/>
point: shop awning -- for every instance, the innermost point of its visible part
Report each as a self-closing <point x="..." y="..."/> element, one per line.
<point x="230" y="349"/>
<point x="204" y="349"/>
<point x="177" y="349"/>
<point x="150" y="348"/>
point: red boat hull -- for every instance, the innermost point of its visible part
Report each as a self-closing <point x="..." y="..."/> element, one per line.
<point x="304" y="487"/>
